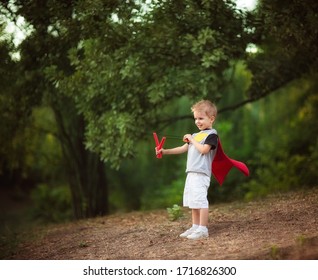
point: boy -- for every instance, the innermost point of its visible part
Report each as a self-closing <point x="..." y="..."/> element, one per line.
<point x="201" y="148"/>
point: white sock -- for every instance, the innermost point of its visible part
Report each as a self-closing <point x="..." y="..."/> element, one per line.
<point x="194" y="226"/>
<point x="203" y="228"/>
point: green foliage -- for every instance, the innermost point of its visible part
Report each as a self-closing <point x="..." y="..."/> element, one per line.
<point x="51" y="204"/>
<point x="175" y="212"/>
<point x="286" y="33"/>
<point x="164" y="195"/>
<point x="274" y="252"/>
<point x="34" y="153"/>
<point x="121" y="85"/>
<point x="286" y="157"/>
<point x="45" y="155"/>
<point x="301" y="240"/>
<point x="83" y="244"/>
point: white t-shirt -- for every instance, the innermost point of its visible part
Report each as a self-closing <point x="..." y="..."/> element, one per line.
<point x="201" y="163"/>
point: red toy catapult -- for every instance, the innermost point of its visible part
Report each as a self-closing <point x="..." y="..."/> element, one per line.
<point x="159" y="145"/>
<point x="221" y="164"/>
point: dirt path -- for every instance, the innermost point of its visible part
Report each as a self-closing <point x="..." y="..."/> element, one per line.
<point x="284" y="227"/>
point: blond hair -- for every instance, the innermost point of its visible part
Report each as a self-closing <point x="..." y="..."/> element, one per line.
<point x="206" y="106"/>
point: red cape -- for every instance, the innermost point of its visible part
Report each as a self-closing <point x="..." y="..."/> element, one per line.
<point x="222" y="164"/>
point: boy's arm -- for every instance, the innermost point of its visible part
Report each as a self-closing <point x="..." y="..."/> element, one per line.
<point x="202" y="148"/>
<point x="174" y="151"/>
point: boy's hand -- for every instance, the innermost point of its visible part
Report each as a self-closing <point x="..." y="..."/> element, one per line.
<point x="158" y="152"/>
<point x="187" y="138"/>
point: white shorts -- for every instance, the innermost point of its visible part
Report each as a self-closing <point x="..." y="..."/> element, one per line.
<point x="196" y="191"/>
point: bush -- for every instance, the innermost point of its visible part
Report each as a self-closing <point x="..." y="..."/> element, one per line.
<point x="51" y="204"/>
<point x="288" y="172"/>
<point x="164" y="196"/>
<point x="175" y="212"/>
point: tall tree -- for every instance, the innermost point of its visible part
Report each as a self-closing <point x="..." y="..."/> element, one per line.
<point x="54" y="32"/>
<point x="141" y="61"/>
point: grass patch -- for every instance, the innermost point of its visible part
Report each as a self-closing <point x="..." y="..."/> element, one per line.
<point x="274" y="252"/>
<point x="175" y="212"/>
<point x="301" y="240"/>
<point x="83" y="244"/>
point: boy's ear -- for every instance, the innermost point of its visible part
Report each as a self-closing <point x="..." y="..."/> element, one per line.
<point x="212" y="119"/>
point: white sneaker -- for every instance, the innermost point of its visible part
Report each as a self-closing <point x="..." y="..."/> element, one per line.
<point x="198" y="234"/>
<point x="188" y="232"/>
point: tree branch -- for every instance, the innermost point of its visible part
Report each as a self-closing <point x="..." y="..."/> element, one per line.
<point x="167" y="122"/>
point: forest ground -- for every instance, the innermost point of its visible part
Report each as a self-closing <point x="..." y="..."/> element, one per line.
<point x="278" y="227"/>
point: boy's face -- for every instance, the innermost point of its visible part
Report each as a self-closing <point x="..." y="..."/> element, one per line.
<point x="202" y="120"/>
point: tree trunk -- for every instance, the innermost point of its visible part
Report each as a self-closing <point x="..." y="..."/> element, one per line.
<point x="86" y="173"/>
